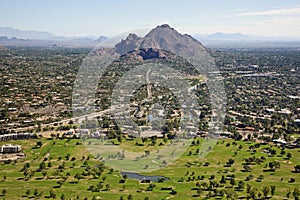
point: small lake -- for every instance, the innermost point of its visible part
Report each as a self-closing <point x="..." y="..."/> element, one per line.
<point x="142" y="177"/>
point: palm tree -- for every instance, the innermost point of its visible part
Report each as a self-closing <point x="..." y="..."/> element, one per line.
<point x="78" y="177"/>
<point x="296" y="193"/>
<point x="199" y="192"/>
<point x="4" y="191"/>
<point x="266" y="191"/>
<point x="52" y="194"/>
<point x="28" y="192"/>
<point x="273" y="188"/>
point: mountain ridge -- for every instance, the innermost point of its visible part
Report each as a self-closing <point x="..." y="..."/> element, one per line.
<point x="25" y="34"/>
<point x="13" y="35"/>
<point x="40" y="38"/>
<point x="162" y="37"/>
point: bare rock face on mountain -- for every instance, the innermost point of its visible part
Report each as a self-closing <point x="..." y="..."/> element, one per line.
<point x="161" y="38"/>
<point x="167" y="38"/>
<point x="149" y="53"/>
<point x="132" y="42"/>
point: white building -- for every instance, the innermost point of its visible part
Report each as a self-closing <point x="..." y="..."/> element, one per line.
<point x="10" y="148"/>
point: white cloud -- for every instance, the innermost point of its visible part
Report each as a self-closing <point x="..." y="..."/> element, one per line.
<point x="286" y="11"/>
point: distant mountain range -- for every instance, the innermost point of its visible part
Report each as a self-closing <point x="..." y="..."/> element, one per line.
<point x="241" y="40"/>
<point x="25" y="34"/>
<point x="226" y="37"/>
<point x="11" y="36"/>
<point x="241" y="37"/>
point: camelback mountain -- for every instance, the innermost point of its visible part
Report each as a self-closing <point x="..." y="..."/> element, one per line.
<point x="157" y="41"/>
<point x="163" y="45"/>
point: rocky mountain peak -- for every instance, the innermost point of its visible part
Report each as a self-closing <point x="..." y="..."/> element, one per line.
<point x="131" y="43"/>
<point x="132" y="37"/>
<point x="162" y="37"/>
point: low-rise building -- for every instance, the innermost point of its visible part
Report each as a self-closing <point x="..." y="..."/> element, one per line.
<point x="16" y="136"/>
<point x="10" y="148"/>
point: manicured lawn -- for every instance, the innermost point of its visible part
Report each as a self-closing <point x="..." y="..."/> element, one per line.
<point x="69" y="157"/>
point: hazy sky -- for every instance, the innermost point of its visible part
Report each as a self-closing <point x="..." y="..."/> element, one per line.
<point x="111" y="17"/>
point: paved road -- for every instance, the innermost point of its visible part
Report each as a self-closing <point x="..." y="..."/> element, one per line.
<point x="148" y="84"/>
